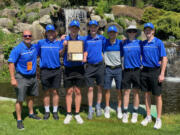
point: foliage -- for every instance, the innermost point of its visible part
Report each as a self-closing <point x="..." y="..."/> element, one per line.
<point x="121" y="22"/>
<point x="152" y="13"/>
<point x="173" y="5"/>
<point x="4" y="73"/>
<point x="102" y="7"/>
<point x="167" y="23"/>
<point x="8" y="41"/>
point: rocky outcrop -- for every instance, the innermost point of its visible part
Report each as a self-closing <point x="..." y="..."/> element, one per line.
<point x="10" y="13"/>
<point x="20" y="27"/>
<point x="45" y="20"/>
<point x="37" y="31"/>
<point x="6" y="22"/>
<point x="33" y="6"/>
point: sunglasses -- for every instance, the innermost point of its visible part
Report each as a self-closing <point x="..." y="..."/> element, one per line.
<point x="132" y="31"/>
<point x="27" y="36"/>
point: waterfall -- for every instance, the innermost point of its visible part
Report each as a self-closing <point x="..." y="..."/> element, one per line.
<point x="78" y="14"/>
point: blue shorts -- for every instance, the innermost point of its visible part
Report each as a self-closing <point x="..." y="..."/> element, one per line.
<point x="115" y="73"/>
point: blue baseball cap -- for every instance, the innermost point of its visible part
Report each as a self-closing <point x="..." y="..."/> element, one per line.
<point x="50" y="27"/>
<point x="112" y="28"/>
<point x="74" y="23"/>
<point x="150" y="25"/>
<point x="93" y="22"/>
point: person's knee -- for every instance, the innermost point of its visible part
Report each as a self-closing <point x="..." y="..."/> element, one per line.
<point x="55" y="92"/>
<point x="69" y="92"/>
<point x="126" y="92"/>
<point x="90" y="89"/>
<point x="47" y="93"/>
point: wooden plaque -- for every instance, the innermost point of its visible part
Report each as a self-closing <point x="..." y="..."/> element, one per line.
<point x="75" y="50"/>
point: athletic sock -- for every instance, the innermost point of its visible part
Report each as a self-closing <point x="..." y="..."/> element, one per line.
<point x="55" y="108"/>
<point x="69" y="113"/>
<point x="47" y="108"/>
<point x="125" y="109"/>
<point x="76" y="113"/>
<point x="19" y="120"/>
<point x="135" y="109"/>
<point x="90" y="108"/>
<point x="98" y="105"/>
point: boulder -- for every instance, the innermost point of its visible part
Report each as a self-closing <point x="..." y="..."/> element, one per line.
<point x="46" y="19"/>
<point x="37" y="31"/>
<point x="20" y="27"/>
<point x="110" y="16"/>
<point x="6" y="31"/>
<point x="45" y="11"/>
<point x="54" y="6"/>
<point x="32" y="6"/>
<point x="9" y="12"/>
<point x="6" y="22"/>
<point x="102" y="23"/>
<point x="95" y="17"/>
<point x="32" y="16"/>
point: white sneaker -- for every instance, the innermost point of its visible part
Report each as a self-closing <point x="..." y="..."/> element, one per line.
<point x="146" y="121"/>
<point x="79" y="119"/>
<point x="134" y="117"/>
<point x="107" y="112"/>
<point x="125" y="118"/>
<point x="68" y="119"/>
<point x="158" y="124"/>
<point x="119" y="113"/>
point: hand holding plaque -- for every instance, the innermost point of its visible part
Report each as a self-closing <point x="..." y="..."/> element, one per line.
<point x="75" y="50"/>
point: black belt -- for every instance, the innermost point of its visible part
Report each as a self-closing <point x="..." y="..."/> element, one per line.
<point x="113" y="67"/>
<point x="96" y="64"/>
<point x="50" y="68"/>
<point x="150" y="68"/>
<point x="131" y="69"/>
<point x="27" y="76"/>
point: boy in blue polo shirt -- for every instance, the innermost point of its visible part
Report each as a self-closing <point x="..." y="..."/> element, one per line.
<point x="23" y="59"/>
<point x="154" y="63"/>
<point x="50" y="74"/>
<point x="73" y="75"/>
<point x="131" y="73"/>
<point x="113" y="70"/>
<point x="95" y="67"/>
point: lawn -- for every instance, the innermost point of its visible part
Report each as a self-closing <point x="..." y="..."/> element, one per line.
<point x="97" y="126"/>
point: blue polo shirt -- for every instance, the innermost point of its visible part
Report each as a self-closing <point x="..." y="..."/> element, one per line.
<point x="132" y="53"/>
<point x="94" y="48"/>
<point x="49" y="53"/>
<point x="72" y="63"/>
<point x="21" y="55"/>
<point x="152" y="52"/>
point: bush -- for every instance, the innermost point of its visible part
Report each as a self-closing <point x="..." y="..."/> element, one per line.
<point x="102" y="7"/>
<point x="167" y="23"/>
<point x="8" y="41"/>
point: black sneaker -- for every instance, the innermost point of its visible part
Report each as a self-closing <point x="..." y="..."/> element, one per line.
<point x="46" y="115"/>
<point x="55" y="116"/>
<point x="20" y="125"/>
<point x="34" y="116"/>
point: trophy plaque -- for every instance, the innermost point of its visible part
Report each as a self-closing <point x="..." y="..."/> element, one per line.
<point x="75" y="50"/>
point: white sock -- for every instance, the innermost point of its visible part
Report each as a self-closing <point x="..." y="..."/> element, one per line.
<point x="158" y="119"/>
<point x="47" y="108"/>
<point x="55" y="108"/>
<point x="149" y="116"/>
<point x="119" y="109"/>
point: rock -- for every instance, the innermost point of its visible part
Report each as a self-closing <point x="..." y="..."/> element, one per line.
<point x="20" y="27"/>
<point x="54" y="6"/>
<point x="102" y="23"/>
<point x="95" y="17"/>
<point x="32" y="16"/>
<point x="6" y="22"/>
<point x="35" y="5"/>
<point x="45" y="11"/>
<point x="89" y="9"/>
<point x="6" y="31"/>
<point x="9" y="12"/>
<point x="110" y="16"/>
<point x="37" y="31"/>
<point x="123" y="10"/>
<point x="45" y="20"/>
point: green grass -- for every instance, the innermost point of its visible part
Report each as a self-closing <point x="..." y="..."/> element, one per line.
<point x="97" y="126"/>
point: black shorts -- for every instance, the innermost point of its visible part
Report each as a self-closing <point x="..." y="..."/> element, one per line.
<point x="27" y="86"/>
<point x="94" y="72"/>
<point x="50" y="78"/>
<point x="149" y="80"/>
<point x="131" y="78"/>
<point x="74" y="76"/>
